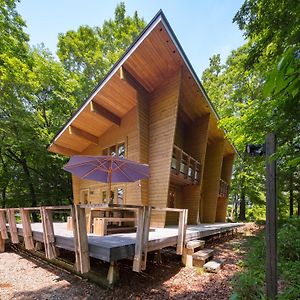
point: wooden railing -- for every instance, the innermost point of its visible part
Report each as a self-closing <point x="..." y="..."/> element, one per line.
<point x="223" y="189"/>
<point x="81" y="246"/>
<point x="185" y="166"/>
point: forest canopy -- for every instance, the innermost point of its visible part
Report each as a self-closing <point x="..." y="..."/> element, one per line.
<point x="256" y="91"/>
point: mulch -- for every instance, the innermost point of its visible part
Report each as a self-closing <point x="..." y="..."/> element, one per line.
<point x="23" y="277"/>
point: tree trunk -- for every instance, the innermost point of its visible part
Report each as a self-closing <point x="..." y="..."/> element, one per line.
<point x="3" y="197"/>
<point x="291" y="190"/>
<point x="242" y="215"/>
<point x="298" y="210"/>
<point x="31" y="188"/>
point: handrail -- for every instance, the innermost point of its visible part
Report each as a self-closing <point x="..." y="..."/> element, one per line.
<point x="223" y="189"/>
<point x="185" y="165"/>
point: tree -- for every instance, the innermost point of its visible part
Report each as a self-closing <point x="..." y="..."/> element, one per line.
<point x="89" y="53"/>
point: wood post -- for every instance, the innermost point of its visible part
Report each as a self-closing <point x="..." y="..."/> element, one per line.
<point x="181" y="231"/>
<point x="3" y="230"/>
<point x="48" y="233"/>
<point x="10" y="213"/>
<point x="80" y="239"/>
<point x="271" y="219"/>
<point x="137" y="260"/>
<point x="146" y="235"/>
<point x="26" y="227"/>
<point x="113" y="273"/>
<point x="2" y="244"/>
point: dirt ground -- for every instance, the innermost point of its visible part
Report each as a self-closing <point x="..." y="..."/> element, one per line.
<point x="23" y="277"/>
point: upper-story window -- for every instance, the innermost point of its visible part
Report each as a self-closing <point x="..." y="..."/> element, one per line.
<point x="115" y="150"/>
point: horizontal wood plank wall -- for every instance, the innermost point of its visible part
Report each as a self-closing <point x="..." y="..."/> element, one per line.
<point x="180" y="133"/>
<point x="225" y="175"/>
<point x="143" y="134"/>
<point x="173" y="218"/>
<point x="211" y="179"/>
<point x="162" y="122"/>
<point x="195" y="145"/>
<point x="127" y="133"/>
<point x="76" y="189"/>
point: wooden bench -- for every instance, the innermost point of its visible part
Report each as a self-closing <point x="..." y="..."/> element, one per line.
<point x="100" y="224"/>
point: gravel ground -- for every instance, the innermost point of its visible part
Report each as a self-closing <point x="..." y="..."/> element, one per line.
<point x="28" y="278"/>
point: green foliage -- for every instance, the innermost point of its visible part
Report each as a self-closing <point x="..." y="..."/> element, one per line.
<point x="37" y="95"/>
<point x="257" y="92"/>
<point x="249" y="284"/>
<point x="89" y="53"/>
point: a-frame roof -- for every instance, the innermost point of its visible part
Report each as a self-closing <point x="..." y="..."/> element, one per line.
<point x="150" y="60"/>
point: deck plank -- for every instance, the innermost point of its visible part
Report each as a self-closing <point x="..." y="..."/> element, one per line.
<point x="122" y="245"/>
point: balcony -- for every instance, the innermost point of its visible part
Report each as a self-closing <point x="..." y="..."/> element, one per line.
<point x="223" y="189"/>
<point x="185" y="170"/>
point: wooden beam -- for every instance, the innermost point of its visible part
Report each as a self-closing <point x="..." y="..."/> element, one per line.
<point x="81" y="240"/>
<point x="26" y="228"/>
<point x="105" y="113"/>
<point x="126" y="76"/>
<point x="83" y="134"/>
<point x="48" y="233"/>
<point x="12" y="226"/>
<point x="181" y="231"/>
<point x="3" y="230"/>
<point x="137" y="260"/>
<point x="2" y="244"/>
<point x="62" y="150"/>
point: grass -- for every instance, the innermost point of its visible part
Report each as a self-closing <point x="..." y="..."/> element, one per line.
<point x="249" y="284"/>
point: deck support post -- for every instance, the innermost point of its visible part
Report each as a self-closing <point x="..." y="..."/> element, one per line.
<point x="38" y="246"/>
<point x="27" y="231"/>
<point x="157" y="257"/>
<point x="2" y="244"/>
<point x="146" y="236"/>
<point x="48" y="233"/>
<point x="113" y="273"/>
<point x="10" y="213"/>
<point x="142" y="235"/>
<point x="183" y="215"/>
<point x="137" y="260"/>
<point x="3" y="230"/>
<point x="80" y="239"/>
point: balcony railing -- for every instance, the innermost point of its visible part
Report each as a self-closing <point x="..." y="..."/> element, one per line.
<point x="185" y="166"/>
<point x="223" y="189"/>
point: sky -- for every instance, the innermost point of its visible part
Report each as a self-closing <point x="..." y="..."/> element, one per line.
<point x="203" y="27"/>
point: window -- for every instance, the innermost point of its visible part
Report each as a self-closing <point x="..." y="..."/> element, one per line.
<point x="115" y="150"/>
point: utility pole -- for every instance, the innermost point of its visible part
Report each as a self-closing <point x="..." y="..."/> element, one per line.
<point x="271" y="219"/>
<point x="268" y="149"/>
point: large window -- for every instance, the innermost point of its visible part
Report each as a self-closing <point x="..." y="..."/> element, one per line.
<point x="115" y="150"/>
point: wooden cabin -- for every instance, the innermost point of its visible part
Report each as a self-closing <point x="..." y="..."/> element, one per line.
<point x="152" y="108"/>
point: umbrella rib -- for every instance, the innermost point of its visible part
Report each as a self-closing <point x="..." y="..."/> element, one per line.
<point x="130" y="178"/>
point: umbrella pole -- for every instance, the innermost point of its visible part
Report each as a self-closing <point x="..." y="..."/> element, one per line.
<point x="109" y="178"/>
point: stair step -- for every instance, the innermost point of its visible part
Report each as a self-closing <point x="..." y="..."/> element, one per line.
<point x="202" y="256"/>
<point x="195" y="244"/>
<point x="213" y="266"/>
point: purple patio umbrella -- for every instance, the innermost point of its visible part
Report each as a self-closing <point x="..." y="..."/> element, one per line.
<point x="106" y="169"/>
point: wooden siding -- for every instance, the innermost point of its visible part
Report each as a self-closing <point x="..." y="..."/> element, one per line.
<point x="225" y="175"/>
<point x="195" y="144"/>
<point x="162" y="122"/>
<point x="143" y="140"/>
<point x="211" y="178"/>
<point x="128" y="133"/>
<point x="173" y="218"/>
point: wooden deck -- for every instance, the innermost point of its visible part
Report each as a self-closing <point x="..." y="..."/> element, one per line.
<point x="119" y="246"/>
